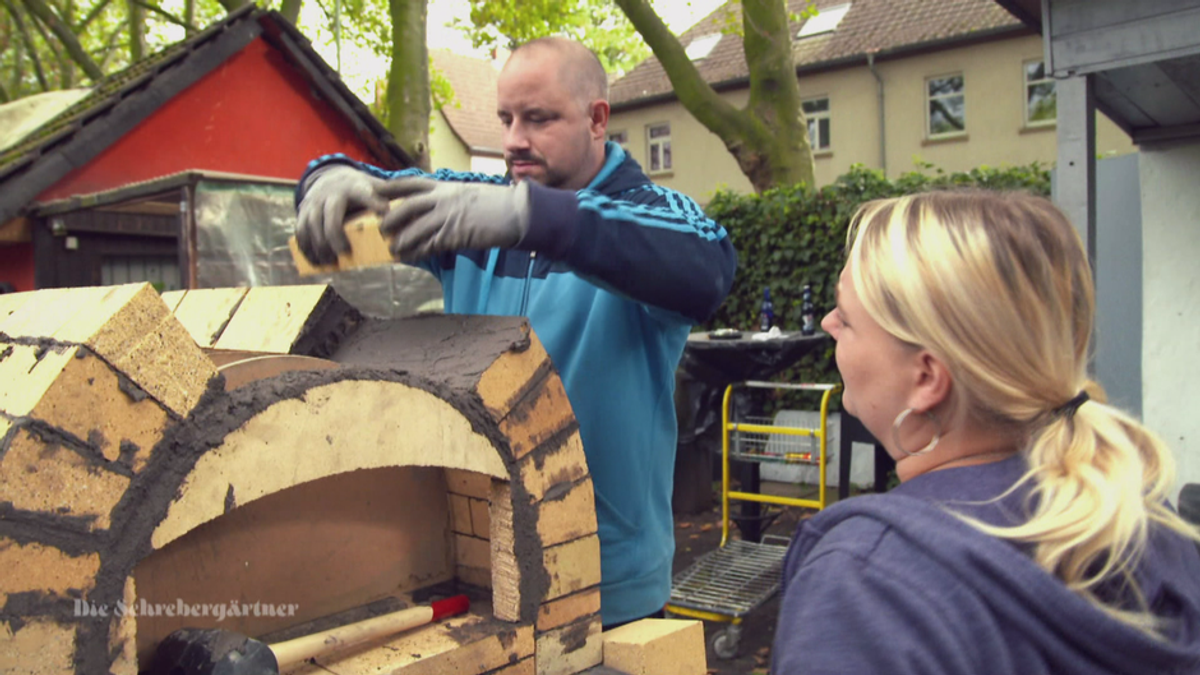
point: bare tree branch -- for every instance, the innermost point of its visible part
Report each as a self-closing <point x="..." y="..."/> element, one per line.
<point x="948" y="115"/>
<point x="91" y="16"/>
<point x="325" y="10"/>
<point x="29" y="46"/>
<point x="17" y="76"/>
<point x="110" y="45"/>
<point x="63" y="32"/>
<point x="66" y="70"/>
<point x="166" y="15"/>
<point x="6" y="33"/>
<point x="694" y="93"/>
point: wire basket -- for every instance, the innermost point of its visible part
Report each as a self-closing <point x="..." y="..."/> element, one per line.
<point x="756" y="446"/>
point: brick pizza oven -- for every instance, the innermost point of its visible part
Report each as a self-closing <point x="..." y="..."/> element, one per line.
<point x="272" y="452"/>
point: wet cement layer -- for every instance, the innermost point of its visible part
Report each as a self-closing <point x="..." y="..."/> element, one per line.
<point x="453" y="349"/>
<point x="328" y="325"/>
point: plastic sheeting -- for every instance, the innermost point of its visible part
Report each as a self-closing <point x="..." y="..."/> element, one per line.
<point x="242" y="232"/>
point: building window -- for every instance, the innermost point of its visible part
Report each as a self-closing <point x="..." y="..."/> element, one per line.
<point x="1041" y="104"/>
<point x="658" y="138"/>
<point x="947" y="114"/>
<point x="621" y="138"/>
<point x="702" y="46"/>
<point x="825" y="21"/>
<point x="816" y="111"/>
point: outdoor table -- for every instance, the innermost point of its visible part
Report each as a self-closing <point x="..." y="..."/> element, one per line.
<point x="709" y="365"/>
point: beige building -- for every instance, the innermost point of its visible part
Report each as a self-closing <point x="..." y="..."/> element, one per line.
<point x="955" y="83"/>
<point x="466" y="135"/>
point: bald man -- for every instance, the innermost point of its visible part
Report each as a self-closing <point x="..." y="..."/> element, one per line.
<point x="611" y="270"/>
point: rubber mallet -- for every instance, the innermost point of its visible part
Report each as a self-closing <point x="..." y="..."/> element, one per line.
<point x="203" y="651"/>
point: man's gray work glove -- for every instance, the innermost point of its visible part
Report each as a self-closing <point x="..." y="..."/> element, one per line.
<point x="322" y="214"/>
<point x="438" y="216"/>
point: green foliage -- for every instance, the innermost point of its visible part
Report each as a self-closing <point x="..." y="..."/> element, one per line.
<point x="809" y="11"/>
<point x="790" y="236"/>
<point x="599" y="24"/>
<point x="441" y="89"/>
<point x="366" y="24"/>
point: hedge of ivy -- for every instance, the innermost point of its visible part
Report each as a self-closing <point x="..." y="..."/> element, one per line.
<point x="790" y="236"/>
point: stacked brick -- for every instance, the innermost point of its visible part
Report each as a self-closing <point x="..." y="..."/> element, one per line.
<point x="89" y="380"/>
<point x="97" y="384"/>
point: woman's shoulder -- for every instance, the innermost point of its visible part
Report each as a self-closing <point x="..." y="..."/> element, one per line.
<point x="876" y="529"/>
<point x="891" y="527"/>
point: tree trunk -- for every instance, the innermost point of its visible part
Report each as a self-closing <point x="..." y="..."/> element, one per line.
<point x="769" y="138"/>
<point x="408" y="101"/>
<point x="70" y="43"/>
<point x="189" y="14"/>
<point x="786" y="157"/>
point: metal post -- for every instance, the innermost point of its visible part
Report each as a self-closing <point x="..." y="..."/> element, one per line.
<point x="1076" y="170"/>
<point x="882" y="115"/>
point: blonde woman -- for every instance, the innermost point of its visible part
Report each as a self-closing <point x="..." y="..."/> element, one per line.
<point x="1031" y="531"/>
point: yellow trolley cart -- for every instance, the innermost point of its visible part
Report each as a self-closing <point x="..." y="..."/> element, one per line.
<point x="737" y="577"/>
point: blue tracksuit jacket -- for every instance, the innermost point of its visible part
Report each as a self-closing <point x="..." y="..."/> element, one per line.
<point x="612" y="278"/>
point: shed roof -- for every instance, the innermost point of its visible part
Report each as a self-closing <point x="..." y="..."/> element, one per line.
<point x="121" y="101"/>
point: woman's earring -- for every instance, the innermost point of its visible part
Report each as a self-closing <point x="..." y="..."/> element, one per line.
<point x="937" y="435"/>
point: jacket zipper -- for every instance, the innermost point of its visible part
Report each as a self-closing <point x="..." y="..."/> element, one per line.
<point x="528" y="282"/>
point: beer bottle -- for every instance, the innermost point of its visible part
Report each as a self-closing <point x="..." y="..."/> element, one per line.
<point x="766" y="315"/>
<point x="808" y="312"/>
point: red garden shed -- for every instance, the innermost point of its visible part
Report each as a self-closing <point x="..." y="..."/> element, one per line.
<point x="107" y="191"/>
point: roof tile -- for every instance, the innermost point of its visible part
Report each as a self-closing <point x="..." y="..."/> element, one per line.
<point x="472" y="115"/>
<point x="870" y="25"/>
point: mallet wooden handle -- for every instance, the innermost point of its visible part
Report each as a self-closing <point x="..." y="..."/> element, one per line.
<point x="294" y="651"/>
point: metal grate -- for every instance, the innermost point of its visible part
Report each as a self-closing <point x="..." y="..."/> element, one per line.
<point x="763" y="447"/>
<point x="732" y="580"/>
